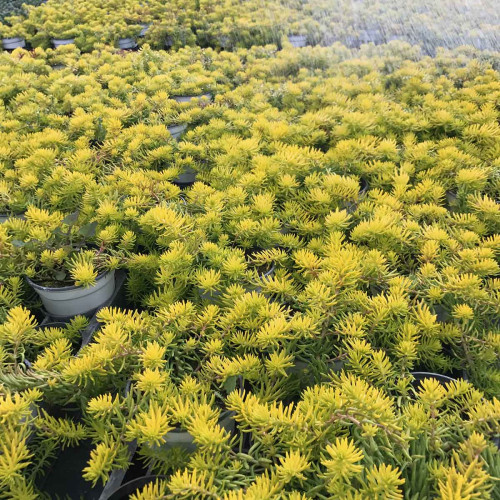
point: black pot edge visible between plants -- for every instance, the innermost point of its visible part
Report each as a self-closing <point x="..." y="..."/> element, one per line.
<point x="124" y="491"/>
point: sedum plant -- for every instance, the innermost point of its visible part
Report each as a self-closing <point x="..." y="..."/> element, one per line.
<point x="55" y="251"/>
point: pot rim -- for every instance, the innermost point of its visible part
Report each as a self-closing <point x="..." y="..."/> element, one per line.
<point x="36" y="286"/>
<point x="438" y="376"/>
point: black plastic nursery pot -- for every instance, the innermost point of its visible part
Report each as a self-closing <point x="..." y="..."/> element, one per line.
<point x="59" y="42"/>
<point x="176" y="130"/>
<point x="127" y="44"/>
<point x="46" y="323"/>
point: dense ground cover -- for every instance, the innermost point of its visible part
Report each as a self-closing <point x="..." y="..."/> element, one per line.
<point x="342" y="234"/>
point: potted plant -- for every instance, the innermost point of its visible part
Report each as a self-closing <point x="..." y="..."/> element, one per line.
<point x="127" y="35"/>
<point x="58" y="42"/>
<point x="18" y="432"/>
<point x="71" y="269"/>
<point x="191" y="87"/>
<point x="64" y="35"/>
<point x="220" y="266"/>
<point x="13" y="37"/>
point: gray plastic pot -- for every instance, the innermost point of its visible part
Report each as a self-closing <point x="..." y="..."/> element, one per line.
<point x="187" y="177"/>
<point x="59" y="42"/>
<point x="177" y="130"/>
<point x="72" y="300"/>
<point x="298" y="40"/>
<point x="13" y="43"/>
<point x="189" y="98"/>
<point x="127" y="43"/>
